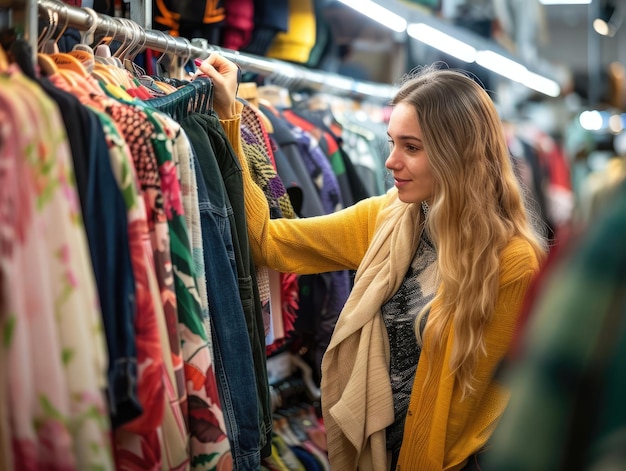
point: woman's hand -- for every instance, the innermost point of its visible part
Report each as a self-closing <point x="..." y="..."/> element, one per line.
<point x="225" y="75"/>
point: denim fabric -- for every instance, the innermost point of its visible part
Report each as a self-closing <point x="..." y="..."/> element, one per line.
<point x="248" y="286"/>
<point x="234" y="366"/>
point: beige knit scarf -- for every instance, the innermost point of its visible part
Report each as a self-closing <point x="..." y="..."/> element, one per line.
<point x="357" y="403"/>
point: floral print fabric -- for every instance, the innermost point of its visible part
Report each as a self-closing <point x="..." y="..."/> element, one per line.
<point x="209" y="445"/>
<point x="53" y="344"/>
<point x="53" y="355"/>
<point x="137" y="444"/>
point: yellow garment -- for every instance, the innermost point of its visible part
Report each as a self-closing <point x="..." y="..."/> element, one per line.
<point x="296" y="43"/>
<point x="300" y="251"/>
<point x="441" y="431"/>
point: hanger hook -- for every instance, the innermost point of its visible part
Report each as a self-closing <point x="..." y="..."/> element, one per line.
<point x="63" y="9"/>
<point x="135" y="39"/>
<point x="87" y="37"/>
<point x="127" y="37"/>
<point x="141" y="44"/>
<point x="167" y="46"/>
<point x="45" y="31"/>
<point x="188" y="55"/>
<point x="108" y="22"/>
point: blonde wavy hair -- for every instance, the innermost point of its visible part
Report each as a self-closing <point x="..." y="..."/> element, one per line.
<point x="478" y="206"/>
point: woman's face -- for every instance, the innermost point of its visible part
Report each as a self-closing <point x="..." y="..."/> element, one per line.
<point x="407" y="160"/>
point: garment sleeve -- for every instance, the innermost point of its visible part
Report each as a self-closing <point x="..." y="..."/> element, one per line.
<point x="318" y="244"/>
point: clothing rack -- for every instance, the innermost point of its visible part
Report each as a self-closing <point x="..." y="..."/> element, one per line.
<point x="279" y="72"/>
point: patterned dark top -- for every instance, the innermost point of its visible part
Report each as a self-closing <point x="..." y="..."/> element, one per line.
<point x="399" y="313"/>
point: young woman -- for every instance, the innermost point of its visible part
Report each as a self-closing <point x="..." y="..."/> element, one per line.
<point x="443" y="262"/>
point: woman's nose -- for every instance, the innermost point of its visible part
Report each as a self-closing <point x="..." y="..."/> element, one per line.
<point x="391" y="161"/>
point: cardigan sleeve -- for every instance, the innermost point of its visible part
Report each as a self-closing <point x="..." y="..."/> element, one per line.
<point x="442" y="429"/>
<point x="336" y="241"/>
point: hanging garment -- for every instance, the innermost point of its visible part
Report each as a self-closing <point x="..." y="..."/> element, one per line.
<point x="183" y="157"/>
<point x="296" y="43"/>
<point x="270" y="18"/>
<point x="148" y="140"/>
<point x="59" y="384"/>
<point x="239" y="23"/>
<point x="326" y="123"/>
<point x="288" y="157"/>
<point x="259" y="150"/>
<point x="231" y="172"/>
<point x="139" y="440"/>
<point x="232" y="348"/>
<point x="190" y="19"/>
<point x="329" y="147"/>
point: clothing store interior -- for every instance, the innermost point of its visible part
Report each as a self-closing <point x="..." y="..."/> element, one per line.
<point x="119" y="358"/>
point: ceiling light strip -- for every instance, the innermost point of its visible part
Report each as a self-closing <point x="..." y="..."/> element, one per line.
<point x="442" y="41"/>
<point x="565" y="2"/>
<point x="454" y="47"/>
<point x="378" y="13"/>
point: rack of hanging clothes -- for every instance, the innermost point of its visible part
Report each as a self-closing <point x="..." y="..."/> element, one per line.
<point x="116" y="204"/>
<point x="110" y="362"/>
<point x="287" y="74"/>
<point x="354" y="145"/>
<point x="151" y="323"/>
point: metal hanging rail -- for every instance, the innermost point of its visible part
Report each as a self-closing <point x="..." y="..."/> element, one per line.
<point x="279" y="72"/>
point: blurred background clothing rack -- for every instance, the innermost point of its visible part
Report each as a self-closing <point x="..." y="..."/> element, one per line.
<point x="275" y="71"/>
<point x="19" y="17"/>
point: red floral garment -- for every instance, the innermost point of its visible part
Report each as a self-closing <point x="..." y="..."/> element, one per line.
<point x="209" y="446"/>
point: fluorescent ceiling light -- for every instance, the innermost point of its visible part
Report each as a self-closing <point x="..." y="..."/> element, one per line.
<point x="374" y="11"/>
<point x="565" y="2"/>
<point x="439" y="40"/>
<point x="456" y="48"/>
<point x="517" y="72"/>
<point x="501" y="65"/>
<point x="541" y="84"/>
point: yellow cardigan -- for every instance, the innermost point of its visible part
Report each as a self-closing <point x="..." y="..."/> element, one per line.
<point x="441" y="431"/>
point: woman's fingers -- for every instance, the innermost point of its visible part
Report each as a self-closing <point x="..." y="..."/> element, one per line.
<point x="221" y="64"/>
<point x="224" y="75"/>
